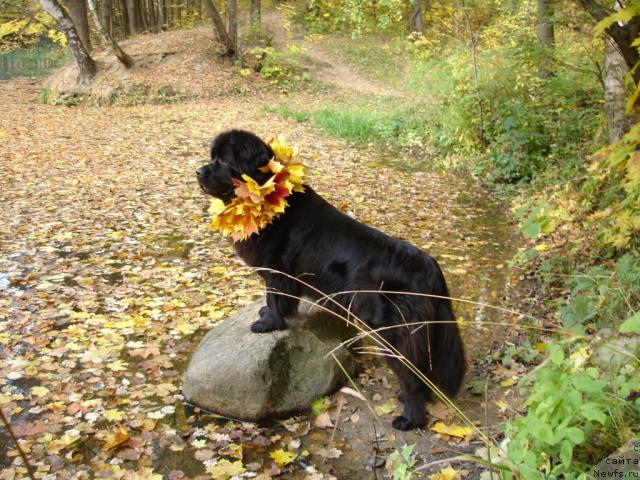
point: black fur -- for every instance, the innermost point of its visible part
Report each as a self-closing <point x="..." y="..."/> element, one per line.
<point x="317" y="243"/>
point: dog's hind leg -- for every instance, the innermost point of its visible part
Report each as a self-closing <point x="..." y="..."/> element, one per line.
<point x="414" y="396"/>
<point x="282" y="293"/>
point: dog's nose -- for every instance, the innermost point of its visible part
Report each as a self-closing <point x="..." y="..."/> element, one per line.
<point x="200" y="172"/>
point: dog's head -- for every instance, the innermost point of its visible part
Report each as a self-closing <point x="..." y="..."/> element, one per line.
<point x="233" y="153"/>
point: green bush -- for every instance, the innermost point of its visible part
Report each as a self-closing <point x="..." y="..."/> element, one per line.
<point x="280" y="67"/>
<point x="577" y="414"/>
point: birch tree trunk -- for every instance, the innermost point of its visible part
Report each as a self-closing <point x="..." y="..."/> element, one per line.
<point x="125" y="59"/>
<point x="615" y="92"/>
<point x="86" y="65"/>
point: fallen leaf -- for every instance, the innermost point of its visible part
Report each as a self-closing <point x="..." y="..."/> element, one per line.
<point x="452" y="430"/>
<point x="323" y="421"/>
<point x="282" y="458"/>
<point x="116" y="436"/>
<point x="445" y="474"/>
<point x="224" y="469"/>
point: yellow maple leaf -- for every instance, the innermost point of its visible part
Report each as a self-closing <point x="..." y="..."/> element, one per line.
<point x="186" y="328"/>
<point x="282" y="458"/>
<point x="273" y="166"/>
<point x="452" y="430"/>
<point x="224" y="469"/>
<point x="216" y="206"/>
<point x="117" y="366"/>
<point x="445" y="474"/>
<point x="39" y="391"/>
<point x="114" y="415"/>
<point x="282" y="150"/>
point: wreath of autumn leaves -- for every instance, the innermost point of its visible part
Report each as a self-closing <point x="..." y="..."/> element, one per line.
<point x="255" y="206"/>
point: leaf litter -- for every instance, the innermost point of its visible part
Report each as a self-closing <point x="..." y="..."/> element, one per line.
<point x="111" y="277"/>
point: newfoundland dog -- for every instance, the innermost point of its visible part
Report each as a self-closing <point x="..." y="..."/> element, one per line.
<point x="330" y="252"/>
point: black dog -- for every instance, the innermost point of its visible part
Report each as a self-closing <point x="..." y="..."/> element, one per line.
<point x="333" y="253"/>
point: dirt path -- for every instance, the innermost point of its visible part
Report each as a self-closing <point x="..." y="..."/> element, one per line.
<point x="321" y="63"/>
<point x="109" y="275"/>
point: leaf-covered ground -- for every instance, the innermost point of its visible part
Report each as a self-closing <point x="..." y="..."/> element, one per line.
<point x="109" y="277"/>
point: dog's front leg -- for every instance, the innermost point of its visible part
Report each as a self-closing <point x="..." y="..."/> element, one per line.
<point x="282" y="300"/>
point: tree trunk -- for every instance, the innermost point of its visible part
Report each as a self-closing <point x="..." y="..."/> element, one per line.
<point x="416" y="22"/>
<point x="106" y="15"/>
<point x="86" y="65"/>
<point x="160" y="23"/>
<point x="546" y="36"/>
<point x="254" y="12"/>
<point x="131" y="16"/>
<point x="141" y="15"/>
<point x="78" y="12"/>
<point x="125" y="59"/>
<point x="615" y="92"/>
<point x="219" y="29"/>
<point x="125" y="18"/>
<point x="151" y="15"/>
<point x="232" y="7"/>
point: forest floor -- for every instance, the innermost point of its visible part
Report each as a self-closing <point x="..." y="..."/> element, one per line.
<point x="109" y="277"/>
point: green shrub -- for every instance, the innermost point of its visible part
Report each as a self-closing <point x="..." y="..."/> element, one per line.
<point x="280" y="67"/>
<point x="577" y="414"/>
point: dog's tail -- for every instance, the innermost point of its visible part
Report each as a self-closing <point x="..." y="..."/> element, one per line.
<point x="448" y="363"/>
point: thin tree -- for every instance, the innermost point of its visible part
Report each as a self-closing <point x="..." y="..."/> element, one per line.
<point x="546" y="36"/>
<point x="160" y="16"/>
<point x="232" y="12"/>
<point x="416" y="22"/>
<point x="125" y="59"/>
<point x="219" y="28"/>
<point x="131" y="16"/>
<point x="254" y="12"/>
<point x="86" y="65"/>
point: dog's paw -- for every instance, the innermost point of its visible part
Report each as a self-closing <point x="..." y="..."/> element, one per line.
<point x="262" y="326"/>
<point x="401" y="397"/>
<point x="404" y="424"/>
<point x="263" y="311"/>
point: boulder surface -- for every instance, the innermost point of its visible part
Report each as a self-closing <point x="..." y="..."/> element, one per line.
<point x="252" y="376"/>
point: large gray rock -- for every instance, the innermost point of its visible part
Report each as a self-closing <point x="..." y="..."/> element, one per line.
<point x="251" y="376"/>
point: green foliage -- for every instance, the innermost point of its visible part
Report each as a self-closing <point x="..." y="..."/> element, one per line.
<point x="612" y="193"/>
<point x="354" y="16"/>
<point x="600" y="298"/>
<point x="577" y="414"/>
<point x="23" y="30"/>
<point x="401" y="463"/>
<point x="280" y="67"/>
